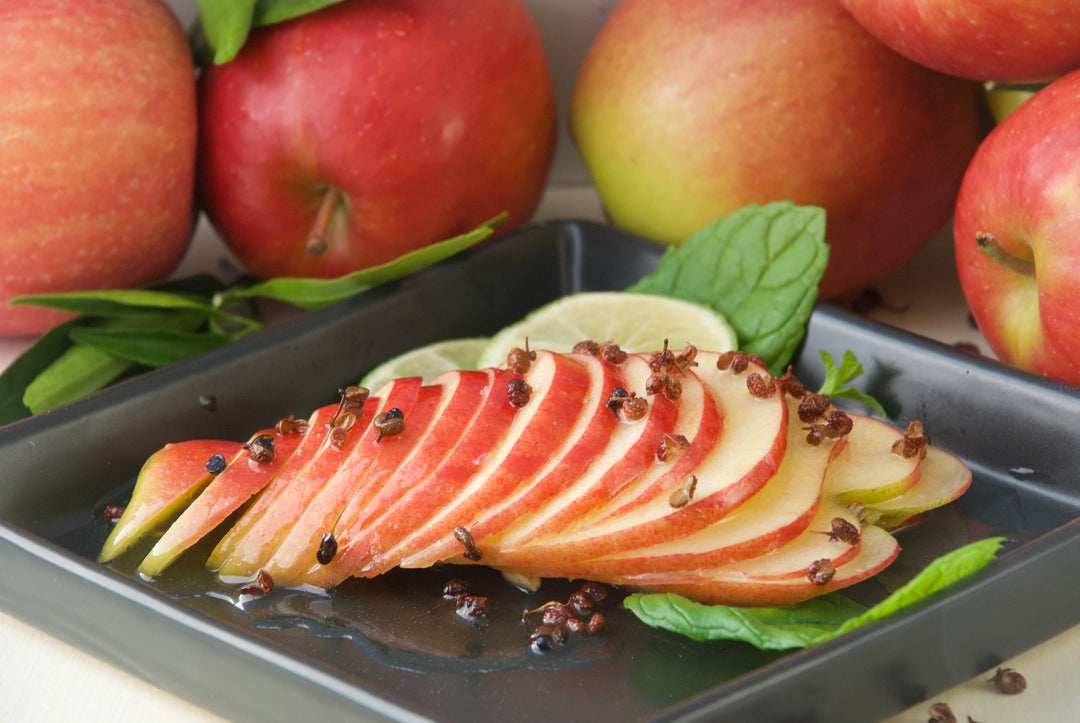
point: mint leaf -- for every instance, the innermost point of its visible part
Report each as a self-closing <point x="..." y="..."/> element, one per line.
<point x="317" y="293"/>
<point x="810" y="622"/>
<point x="835" y="377"/>
<point x="226" y="23"/>
<point x="49" y="347"/>
<point x="759" y="268"/>
<point x="79" y="371"/>
<point x="767" y="628"/>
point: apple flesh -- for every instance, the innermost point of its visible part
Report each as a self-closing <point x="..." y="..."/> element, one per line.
<point x="99" y="127"/>
<point x="770" y="512"/>
<point x="687" y="111"/>
<point x="350" y="136"/>
<point x="1008" y="41"/>
<point x="1017" y="234"/>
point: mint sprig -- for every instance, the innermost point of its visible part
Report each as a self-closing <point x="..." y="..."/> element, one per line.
<point x="810" y="622"/>
<point x="759" y="267"/>
<point x="838" y="376"/>
<point x="119" y="332"/>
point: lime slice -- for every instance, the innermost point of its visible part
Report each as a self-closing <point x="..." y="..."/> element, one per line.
<point x="427" y="361"/>
<point x="636" y="322"/>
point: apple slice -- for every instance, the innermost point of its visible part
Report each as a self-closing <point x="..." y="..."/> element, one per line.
<point x="773" y="517"/>
<point x="504" y="448"/>
<point x="866" y="470"/>
<point x="876" y="551"/>
<point x="300" y="482"/>
<point x="739" y="462"/>
<point x="242" y="478"/>
<point x="313" y="437"/>
<point x="587" y="438"/>
<point x="167" y="482"/>
<point x="433" y="427"/>
<point x="631" y="451"/>
<point x="943" y="479"/>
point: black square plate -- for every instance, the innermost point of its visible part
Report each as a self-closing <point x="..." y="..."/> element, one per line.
<point x="377" y="650"/>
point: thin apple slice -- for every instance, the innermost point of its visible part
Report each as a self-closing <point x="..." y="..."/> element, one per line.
<point x="302" y="481"/>
<point x="243" y="477"/>
<point x="313" y="437"/>
<point x="866" y="470"/>
<point x="739" y="462"/>
<point x="943" y="479"/>
<point x="433" y="425"/>
<point x="777" y="514"/>
<point x="876" y="551"/>
<point x="505" y="447"/>
<point x="630" y="450"/>
<point x="168" y="481"/>
<point x="565" y="463"/>
<point x="468" y="393"/>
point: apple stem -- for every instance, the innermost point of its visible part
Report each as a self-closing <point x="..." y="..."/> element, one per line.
<point x="990" y="246"/>
<point x="317" y="242"/>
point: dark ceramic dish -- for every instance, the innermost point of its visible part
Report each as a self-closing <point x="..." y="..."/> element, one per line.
<point x="377" y="650"/>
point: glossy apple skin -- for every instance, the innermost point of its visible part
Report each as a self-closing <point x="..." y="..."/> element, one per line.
<point x="688" y="110"/>
<point x="99" y="128"/>
<point x="1000" y="40"/>
<point x="429" y="117"/>
<point x="1022" y="187"/>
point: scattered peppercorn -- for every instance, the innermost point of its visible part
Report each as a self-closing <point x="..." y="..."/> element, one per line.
<point x="612" y="353"/>
<point x="791" y="385"/>
<point x="261" y="449"/>
<point x="112" y="513"/>
<point x="471" y="607"/>
<point x="327" y="549"/>
<point x="760" y="386"/>
<point x="941" y="713"/>
<point x="684" y="493"/>
<point x="586" y="347"/>
<point x="518" y="392"/>
<point x="465" y="538"/>
<point x="671" y="446"/>
<point x="1008" y="681"/>
<point x="263" y="585"/>
<point x="291" y="425"/>
<point x="389" y="423"/>
<point x="216" y="464"/>
<point x="820" y="572"/>
<point x="635" y="408"/>
<point x="616" y="398"/>
<point x="839" y="423"/>
<point x="844" y="531"/>
<point x="913" y="443"/>
<point x="813" y="407"/>
<point x="519" y="360"/>
<point x="577" y="615"/>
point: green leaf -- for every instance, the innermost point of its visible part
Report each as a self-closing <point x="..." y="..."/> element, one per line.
<point x="810" y="622"/>
<point x="148" y="347"/>
<point x="317" y="293"/>
<point x="125" y="302"/>
<point x="227" y="23"/>
<point x="835" y="377"/>
<point x="940" y="573"/>
<point x="767" y="628"/>
<point x="759" y="268"/>
<point x="28" y="365"/>
<point x="79" y="371"/>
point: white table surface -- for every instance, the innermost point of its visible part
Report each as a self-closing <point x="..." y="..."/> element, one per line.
<point x="45" y="679"/>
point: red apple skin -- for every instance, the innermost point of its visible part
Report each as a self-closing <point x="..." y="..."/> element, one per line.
<point x="1011" y="41"/>
<point x="687" y="110"/>
<point x="99" y="127"/>
<point x="1022" y="189"/>
<point x="428" y="116"/>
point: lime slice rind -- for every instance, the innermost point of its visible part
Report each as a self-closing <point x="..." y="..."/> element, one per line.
<point x="428" y="361"/>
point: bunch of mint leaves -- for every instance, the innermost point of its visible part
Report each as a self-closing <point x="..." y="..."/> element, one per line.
<point x="116" y="333"/>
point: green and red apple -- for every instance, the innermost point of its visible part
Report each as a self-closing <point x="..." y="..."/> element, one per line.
<point x="344" y="138"/>
<point x="99" y="126"/>
<point x="1008" y="41"/>
<point x="1017" y="234"/>
<point x="688" y="110"/>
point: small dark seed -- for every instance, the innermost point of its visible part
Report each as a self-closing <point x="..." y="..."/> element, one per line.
<point x="389" y="423"/>
<point x="471" y="607"/>
<point x="327" y="549"/>
<point x="465" y="538"/>
<point x="595" y="590"/>
<point x="518" y="392"/>
<point x="635" y="408"/>
<point x="581" y="604"/>
<point x="612" y="353"/>
<point x="839" y="422"/>
<point x="760" y="386"/>
<point x="519" y="360"/>
<point x="555" y="615"/>
<point x="820" y="572"/>
<point x="812" y="407"/>
<point x="263" y="585"/>
<point x="844" y="531"/>
<point x="455" y="588"/>
<point x="586" y="347"/>
<point x="941" y="713"/>
<point x="1008" y="681"/>
<point x="216" y="464"/>
<point x="112" y="513"/>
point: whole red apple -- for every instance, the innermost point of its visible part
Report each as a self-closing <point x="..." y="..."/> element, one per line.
<point x="999" y="40"/>
<point x="686" y="110"/>
<point x="98" y="128"/>
<point x="1017" y="234"/>
<point x="347" y="137"/>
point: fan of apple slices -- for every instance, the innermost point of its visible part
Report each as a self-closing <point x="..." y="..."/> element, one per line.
<point x="690" y="472"/>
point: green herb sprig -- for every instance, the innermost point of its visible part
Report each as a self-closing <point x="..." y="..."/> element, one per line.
<point x="119" y="332"/>
<point x="810" y="622"/>
<point x="225" y="24"/>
